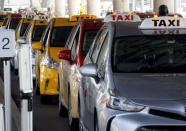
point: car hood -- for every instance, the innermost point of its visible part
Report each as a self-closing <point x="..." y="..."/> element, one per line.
<point x="150" y="87"/>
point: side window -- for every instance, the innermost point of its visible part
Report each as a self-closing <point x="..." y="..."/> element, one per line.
<point x="98" y="44"/>
<point x="45" y="36"/>
<point x="70" y="38"/>
<point x="101" y="61"/>
<point x="26" y="34"/>
<point x="74" y="44"/>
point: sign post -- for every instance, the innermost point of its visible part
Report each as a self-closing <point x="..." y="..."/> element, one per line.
<point x="26" y="85"/>
<point x="7" y="51"/>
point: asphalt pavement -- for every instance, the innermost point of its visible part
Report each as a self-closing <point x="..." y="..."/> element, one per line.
<point x="45" y="117"/>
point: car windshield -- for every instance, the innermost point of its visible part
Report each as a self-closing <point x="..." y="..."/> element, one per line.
<point x="23" y="29"/>
<point x="14" y="24"/>
<point x="88" y="39"/>
<point x="149" y="54"/>
<point x="59" y="36"/>
<point x="38" y="32"/>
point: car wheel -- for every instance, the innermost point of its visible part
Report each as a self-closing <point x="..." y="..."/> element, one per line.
<point x="37" y="88"/>
<point x="73" y="123"/>
<point x="62" y="110"/>
<point x="43" y="99"/>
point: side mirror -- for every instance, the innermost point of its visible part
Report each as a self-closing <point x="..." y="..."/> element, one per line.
<point x="65" y="55"/>
<point x="21" y="41"/>
<point x="37" y="46"/>
<point x="89" y="70"/>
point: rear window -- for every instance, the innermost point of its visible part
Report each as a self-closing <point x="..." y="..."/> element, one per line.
<point x="23" y="29"/>
<point x="88" y="39"/>
<point x="59" y="36"/>
<point x="38" y="32"/>
<point x="149" y="54"/>
<point x="14" y="24"/>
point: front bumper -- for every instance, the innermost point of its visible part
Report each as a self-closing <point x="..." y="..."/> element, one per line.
<point x="145" y="122"/>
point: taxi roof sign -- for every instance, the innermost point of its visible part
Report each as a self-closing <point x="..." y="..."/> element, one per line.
<point x="165" y="22"/>
<point x="122" y="17"/>
<point x="82" y="17"/>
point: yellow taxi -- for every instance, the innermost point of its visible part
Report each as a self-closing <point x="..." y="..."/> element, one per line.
<point x="3" y="17"/>
<point x="34" y="35"/>
<point x="22" y="27"/>
<point x="53" y="41"/>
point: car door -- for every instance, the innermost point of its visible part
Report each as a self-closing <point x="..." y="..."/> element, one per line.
<point x="66" y="65"/>
<point x="91" y="84"/>
<point x="40" y="54"/>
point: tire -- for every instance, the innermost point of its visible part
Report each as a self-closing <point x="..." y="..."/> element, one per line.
<point x="37" y="88"/>
<point x="43" y="99"/>
<point x="73" y="122"/>
<point x="62" y="110"/>
<point x="80" y="124"/>
<point x="16" y="71"/>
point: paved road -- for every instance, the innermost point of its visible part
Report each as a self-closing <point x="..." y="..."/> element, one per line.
<point x="46" y="117"/>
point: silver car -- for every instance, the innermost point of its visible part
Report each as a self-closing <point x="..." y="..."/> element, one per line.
<point x="134" y="80"/>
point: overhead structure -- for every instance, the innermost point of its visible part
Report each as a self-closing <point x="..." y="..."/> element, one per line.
<point x="60" y="8"/>
<point x="126" y="5"/>
<point x="142" y="4"/>
<point x="74" y="7"/>
<point x="2" y="5"/>
<point x="121" y="5"/>
<point x="45" y="3"/>
<point x="93" y="7"/>
<point x="117" y="5"/>
<point x="173" y="5"/>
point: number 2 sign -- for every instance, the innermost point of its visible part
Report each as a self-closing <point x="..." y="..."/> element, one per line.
<point x="7" y="43"/>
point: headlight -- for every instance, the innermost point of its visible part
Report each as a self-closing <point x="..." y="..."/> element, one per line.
<point x="50" y="63"/>
<point x="123" y="104"/>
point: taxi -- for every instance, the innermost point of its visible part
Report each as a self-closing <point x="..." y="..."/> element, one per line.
<point x="20" y="34"/>
<point x="2" y="19"/>
<point x="34" y="35"/>
<point x="133" y="77"/>
<point x="12" y="21"/>
<point x="53" y="41"/>
<point x="72" y="57"/>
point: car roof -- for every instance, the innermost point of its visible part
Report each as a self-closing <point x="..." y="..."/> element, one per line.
<point x="92" y="24"/>
<point x="63" y="22"/>
<point x="127" y="28"/>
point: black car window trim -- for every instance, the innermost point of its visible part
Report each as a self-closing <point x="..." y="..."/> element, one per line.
<point x="27" y="31"/>
<point x="70" y="38"/>
<point x="75" y="44"/>
<point x="73" y="36"/>
<point x="104" y="32"/>
<point x="45" y="36"/>
<point x="84" y="53"/>
<point x="101" y="55"/>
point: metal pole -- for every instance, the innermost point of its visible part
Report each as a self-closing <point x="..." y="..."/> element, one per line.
<point x="26" y="86"/>
<point x="7" y="95"/>
<point x="31" y="3"/>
